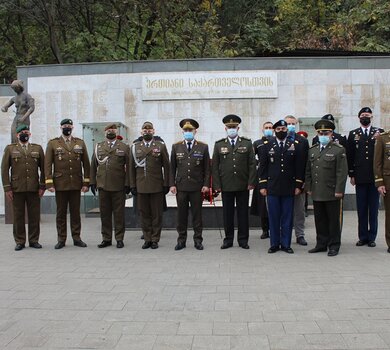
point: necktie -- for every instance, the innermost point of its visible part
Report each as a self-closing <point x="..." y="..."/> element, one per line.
<point x="281" y="145"/>
<point x="189" y="146"/>
<point x="147" y="145"/>
<point x="111" y="144"/>
<point x="322" y="148"/>
<point x="24" y="148"/>
<point x="366" y="132"/>
<point x="233" y="143"/>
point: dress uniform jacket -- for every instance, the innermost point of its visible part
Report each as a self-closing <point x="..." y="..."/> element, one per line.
<point x="281" y="170"/>
<point x="190" y="171"/>
<point x="109" y="166"/>
<point x="382" y="161"/>
<point x="24" y="168"/>
<point x="155" y="174"/>
<point x="233" y="169"/>
<point x="337" y="138"/>
<point x="360" y="154"/>
<point x="71" y="164"/>
<point x="326" y="171"/>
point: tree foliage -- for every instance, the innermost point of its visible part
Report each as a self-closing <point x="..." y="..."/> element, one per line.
<point x="66" y="31"/>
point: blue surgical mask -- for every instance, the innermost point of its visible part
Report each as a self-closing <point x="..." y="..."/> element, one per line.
<point x="232" y="132"/>
<point x="291" y="128"/>
<point x="323" y="139"/>
<point x="267" y="132"/>
<point x="188" y="135"/>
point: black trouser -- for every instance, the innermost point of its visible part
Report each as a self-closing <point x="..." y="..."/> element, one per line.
<point x="328" y="217"/>
<point x="183" y="199"/>
<point x="228" y="199"/>
<point x="112" y="203"/>
<point x="32" y="202"/>
<point x="63" y="199"/>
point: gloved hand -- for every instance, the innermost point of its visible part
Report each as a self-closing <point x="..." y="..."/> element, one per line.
<point x="127" y="189"/>
<point x="133" y="191"/>
<point x="93" y="189"/>
<point x="166" y="189"/>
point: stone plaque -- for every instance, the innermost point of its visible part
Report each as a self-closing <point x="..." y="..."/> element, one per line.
<point x="210" y="85"/>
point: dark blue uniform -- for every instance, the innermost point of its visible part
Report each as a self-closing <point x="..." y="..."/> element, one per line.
<point x="360" y="155"/>
<point x="281" y="171"/>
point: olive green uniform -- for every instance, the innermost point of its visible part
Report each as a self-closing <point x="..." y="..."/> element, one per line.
<point x="382" y="175"/>
<point x="326" y="174"/>
<point x="67" y="170"/>
<point x="109" y="166"/>
<point x="149" y="174"/>
<point x="233" y="170"/>
<point x="190" y="171"/>
<point x="25" y="182"/>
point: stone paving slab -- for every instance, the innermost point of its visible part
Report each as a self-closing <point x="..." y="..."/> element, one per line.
<point x="161" y="299"/>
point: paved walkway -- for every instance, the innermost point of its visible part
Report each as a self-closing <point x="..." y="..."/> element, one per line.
<point x="161" y="299"/>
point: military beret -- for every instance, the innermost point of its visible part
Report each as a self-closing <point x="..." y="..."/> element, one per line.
<point x="231" y="120"/>
<point x="328" y="117"/>
<point x="324" y="124"/>
<point x="66" y="121"/>
<point x="119" y="137"/>
<point x="365" y="110"/>
<point x="21" y="128"/>
<point x="189" y="124"/>
<point x="147" y="125"/>
<point x="303" y="133"/>
<point x="110" y="126"/>
<point x="281" y="122"/>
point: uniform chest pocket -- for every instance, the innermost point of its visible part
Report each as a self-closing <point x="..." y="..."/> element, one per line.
<point x="329" y="161"/>
<point x="16" y="156"/>
<point x="242" y="150"/>
<point x="156" y="154"/>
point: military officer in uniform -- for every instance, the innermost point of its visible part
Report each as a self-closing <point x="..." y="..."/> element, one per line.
<point x="336" y="137"/>
<point x="67" y="173"/>
<point x="24" y="185"/>
<point x="189" y="178"/>
<point x="259" y="203"/>
<point x="109" y="167"/>
<point x="149" y="182"/>
<point x="326" y="175"/>
<point x="299" y="200"/>
<point x="281" y="177"/>
<point x="360" y="155"/>
<point x="234" y="174"/>
<point x="382" y="176"/>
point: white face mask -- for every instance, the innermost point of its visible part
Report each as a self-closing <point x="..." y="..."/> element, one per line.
<point x="232" y="132"/>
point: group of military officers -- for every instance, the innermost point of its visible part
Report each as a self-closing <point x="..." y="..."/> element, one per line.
<point x="280" y="168"/>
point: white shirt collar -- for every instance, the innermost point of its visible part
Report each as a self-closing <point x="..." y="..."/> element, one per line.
<point x="235" y="139"/>
<point x="368" y="129"/>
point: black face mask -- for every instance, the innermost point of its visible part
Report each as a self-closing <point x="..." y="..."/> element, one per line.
<point x="66" y="131"/>
<point x="111" y="135"/>
<point x="24" y="137"/>
<point x="365" y="121"/>
<point x="147" y="137"/>
<point x="281" y="135"/>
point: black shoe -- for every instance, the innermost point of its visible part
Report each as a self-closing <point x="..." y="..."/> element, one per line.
<point x="180" y="246"/>
<point x="361" y="243"/>
<point x="301" y="240"/>
<point x="154" y="245"/>
<point x="146" y="245"/>
<point x="226" y="245"/>
<point x="142" y="237"/>
<point x="35" y="245"/>
<point x="333" y="252"/>
<point x="19" y="247"/>
<point x="198" y="246"/>
<point x="119" y="244"/>
<point x="273" y="250"/>
<point x="104" y="244"/>
<point x="264" y="235"/>
<point x="59" y="245"/>
<point x="80" y="243"/>
<point x="287" y="250"/>
<point x="371" y="244"/>
<point x="244" y="246"/>
<point x="317" y="250"/>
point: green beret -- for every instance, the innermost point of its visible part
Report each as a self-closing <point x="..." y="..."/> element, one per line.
<point x="21" y="128"/>
<point x="66" y="121"/>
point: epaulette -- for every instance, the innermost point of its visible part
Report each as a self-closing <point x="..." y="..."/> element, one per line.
<point x="245" y="138"/>
<point x="200" y="142"/>
<point x="315" y="145"/>
<point x="178" y="142"/>
<point x="159" y="141"/>
<point x="296" y="141"/>
<point x="337" y="144"/>
<point x="265" y="142"/>
<point x="56" y="138"/>
<point x="34" y="144"/>
<point x="224" y="139"/>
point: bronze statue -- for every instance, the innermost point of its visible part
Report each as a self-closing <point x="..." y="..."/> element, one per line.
<point x="24" y="104"/>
